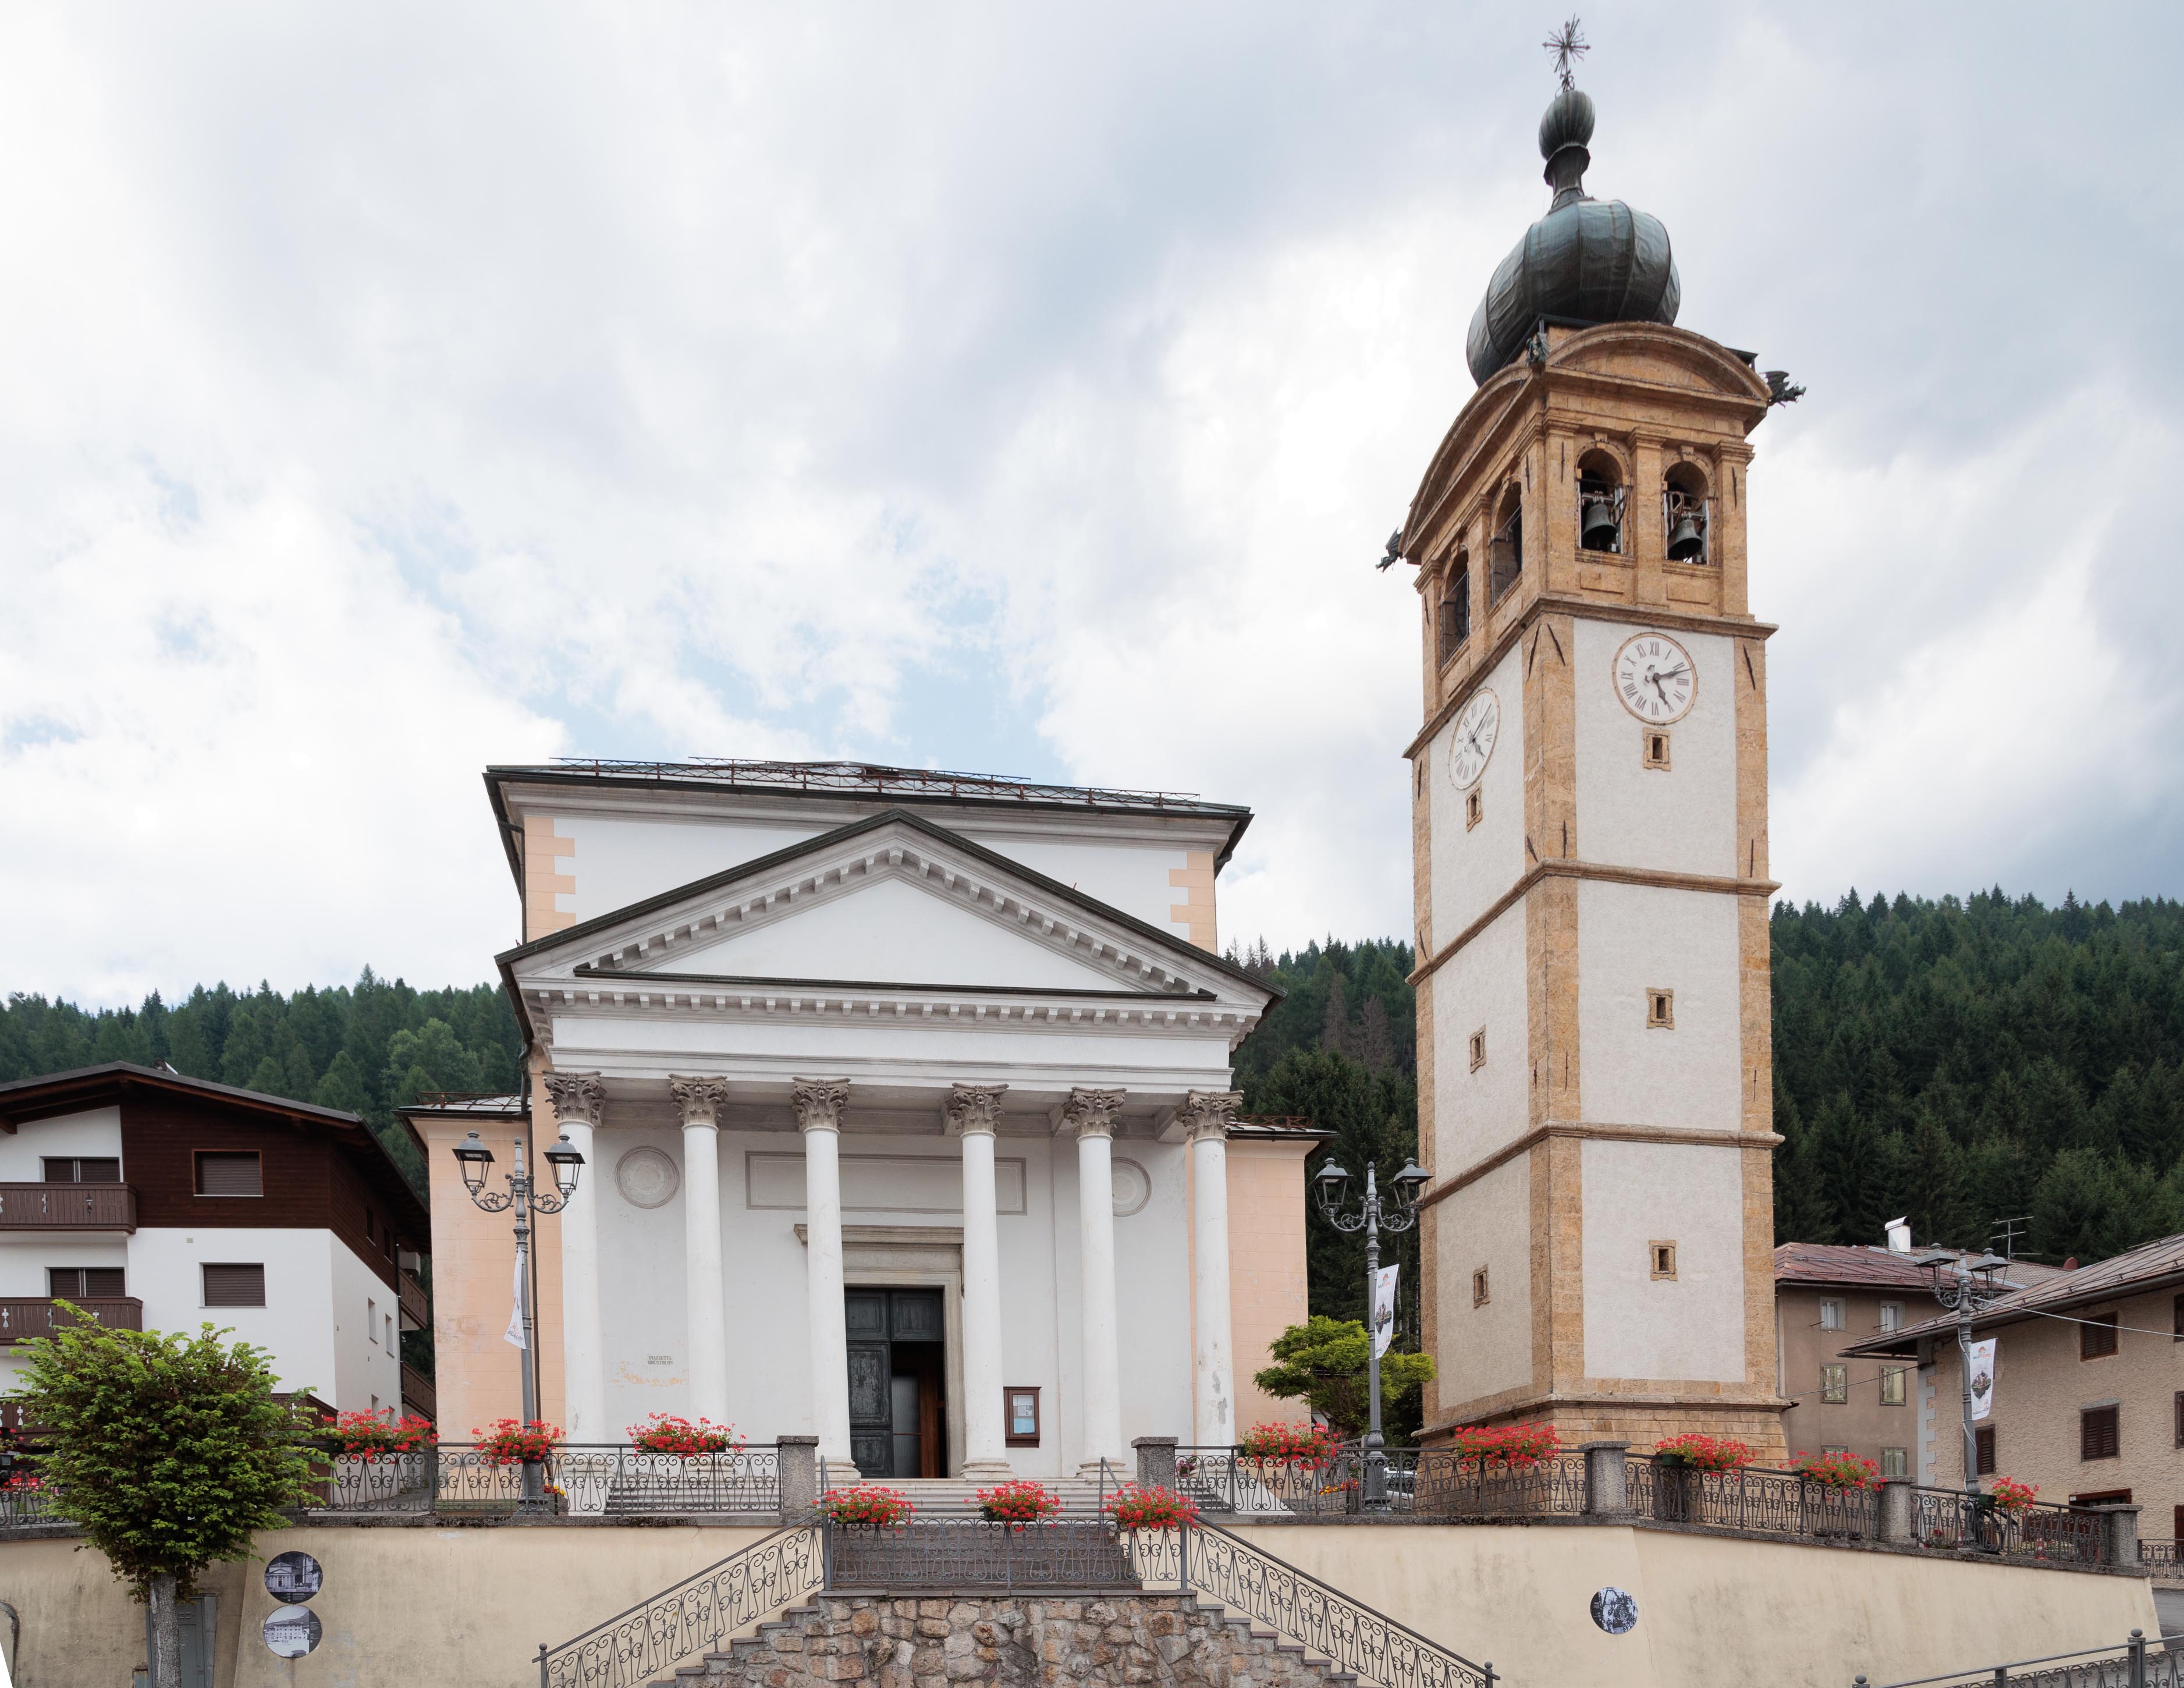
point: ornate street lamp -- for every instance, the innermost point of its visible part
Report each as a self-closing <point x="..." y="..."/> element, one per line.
<point x="1400" y="1214"/>
<point x="1964" y="1285"/>
<point x="526" y="1199"/>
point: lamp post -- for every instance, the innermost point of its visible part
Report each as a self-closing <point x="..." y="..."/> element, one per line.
<point x="1370" y="1218"/>
<point x="526" y="1199"/>
<point x="1968" y="1283"/>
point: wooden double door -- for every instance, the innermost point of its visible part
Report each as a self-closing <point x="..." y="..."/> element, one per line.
<point x="898" y="1387"/>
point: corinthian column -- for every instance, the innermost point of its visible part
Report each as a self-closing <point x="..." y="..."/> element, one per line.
<point x="973" y="1113"/>
<point x="1091" y="1114"/>
<point x="703" y="1292"/>
<point x="577" y="1098"/>
<point x="819" y="1117"/>
<point x="1207" y="1115"/>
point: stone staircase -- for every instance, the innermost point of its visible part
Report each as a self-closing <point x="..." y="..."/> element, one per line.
<point x="1115" y="1637"/>
<point x="948" y="1497"/>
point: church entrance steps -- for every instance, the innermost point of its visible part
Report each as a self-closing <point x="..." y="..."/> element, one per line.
<point x="958" y="1497"/>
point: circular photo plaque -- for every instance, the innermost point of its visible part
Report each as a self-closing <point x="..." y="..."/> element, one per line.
<point x="293" y="1631"/>
<point x="1616" y="1611"/>
<point x="293" y="1577"/>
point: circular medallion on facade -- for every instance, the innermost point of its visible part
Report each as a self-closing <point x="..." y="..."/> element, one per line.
<point x="647" y="1178"/>
<point x="1615" y="1611"/>
<point x="293" y="1631"/>
<point x="1133" y="1188"/>
<point x="293" y="1577"/>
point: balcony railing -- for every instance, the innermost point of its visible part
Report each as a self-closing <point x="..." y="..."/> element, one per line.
<point x="22" y="1318"/>
<point x="418" y="1394"/>
<point x="416" y="1315"/>
<point x="597" y="1480"/>
<point x="67" y="1207"/>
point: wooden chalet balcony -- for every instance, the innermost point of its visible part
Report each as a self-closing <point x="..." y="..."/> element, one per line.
<point x="24" y="1317"/>
<point x="416" y="1315"/>
<point x="67" y="1207"/>
<point x="417" y="1393"/>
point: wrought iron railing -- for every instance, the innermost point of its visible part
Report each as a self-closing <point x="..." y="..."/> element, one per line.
<point x="1205" y="1559"/>
<point x="581" y="1479"/>
<point x="1417" y="1483"/>
<point x="2134" y="1664"/>
<point x="2158" y="1554"/>
<point x="24" y="1500"/>
<point x="67" y="1207"/>
<point x="1774" y="1502"/>
<point x="974" y="1553"/>
<point x="695" y="1617"/>
<point x="1949" y="1518"/>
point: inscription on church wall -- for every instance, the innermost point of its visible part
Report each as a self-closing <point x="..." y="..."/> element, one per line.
<point x="1474" y="864"/>
<point x="881" y="1184"/>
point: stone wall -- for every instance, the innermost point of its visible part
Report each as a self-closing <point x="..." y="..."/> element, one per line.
<point x="909" y="1643"/>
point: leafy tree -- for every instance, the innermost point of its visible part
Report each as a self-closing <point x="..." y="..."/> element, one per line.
<point x="1325" y="1362"/>
<point x="170" y="1452"/>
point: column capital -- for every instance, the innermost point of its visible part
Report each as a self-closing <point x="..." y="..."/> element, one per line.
<point x="974" y="1109"/>
<point x="1207" y="1115"/>
<point x="577" y="1097"/>
<point x="819" y="1102"/>
<point x="1091" y="1113"/>
<point x="701" y="1100"/>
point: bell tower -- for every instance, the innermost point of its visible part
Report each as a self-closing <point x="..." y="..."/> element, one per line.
<point x="1590" y="833"/>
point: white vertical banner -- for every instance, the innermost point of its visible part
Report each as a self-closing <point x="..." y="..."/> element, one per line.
<point x="1982" y="1376"/>
<point x="514" y="1335"/>
<point x="1384" y="1308"/>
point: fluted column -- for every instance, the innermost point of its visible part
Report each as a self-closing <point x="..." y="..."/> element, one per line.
<point x="704" y="1293"/>
<point x="974" y="1110"/>
<point x="1091" y="1114"/>
<point x="819" y="1117"/>
<point x="577" y="1098"/>
<point x="1207" y="1115"/>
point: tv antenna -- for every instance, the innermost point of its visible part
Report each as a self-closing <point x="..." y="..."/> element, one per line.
<point x="2006" y="1233"/>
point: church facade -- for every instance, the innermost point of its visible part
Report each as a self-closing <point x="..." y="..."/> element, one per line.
<point x="1589" y="841"/>
<point x="905" y="1104"/>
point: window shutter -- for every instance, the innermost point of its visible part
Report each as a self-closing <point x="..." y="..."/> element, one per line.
<point x="2097" y="1433"/>
<point x="1983" y="1450"/>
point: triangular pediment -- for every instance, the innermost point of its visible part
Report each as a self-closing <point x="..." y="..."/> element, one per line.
<point x="892" y="902"/>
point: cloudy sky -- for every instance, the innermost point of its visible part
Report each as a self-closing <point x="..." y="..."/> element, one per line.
<point x="390" y="390"/>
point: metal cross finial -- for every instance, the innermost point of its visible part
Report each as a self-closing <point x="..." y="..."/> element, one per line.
<point x="1567" y="45"/>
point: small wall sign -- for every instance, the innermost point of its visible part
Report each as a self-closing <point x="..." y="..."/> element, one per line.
<point x="1616" y="1611"/>
<point x="291" y="1577"/>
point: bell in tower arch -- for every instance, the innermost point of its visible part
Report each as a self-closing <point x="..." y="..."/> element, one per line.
<point x="1686" y="542"/>
<point x="1600" y="531"/>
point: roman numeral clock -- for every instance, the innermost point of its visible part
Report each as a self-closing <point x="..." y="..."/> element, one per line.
<point x="1590" y="833"/>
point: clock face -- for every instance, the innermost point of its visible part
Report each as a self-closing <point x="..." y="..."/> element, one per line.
<point x="1655" y="678"/>
<point x="1474" y="740"/>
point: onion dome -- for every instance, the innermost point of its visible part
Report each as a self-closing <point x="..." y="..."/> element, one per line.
<point x="1586" y="261"/>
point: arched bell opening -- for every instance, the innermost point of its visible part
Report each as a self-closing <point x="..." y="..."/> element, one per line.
<point x="1505" y="552"/>
<point x="1600" y="501"/>
<point x="1455" y="616"/>
<point x="1687" y="516"/>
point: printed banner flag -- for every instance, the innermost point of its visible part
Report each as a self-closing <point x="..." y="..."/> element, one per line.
<point x="514" y="1335"/>
<point x="1384" y="1309"/>
<point x="1982" y="1377"/>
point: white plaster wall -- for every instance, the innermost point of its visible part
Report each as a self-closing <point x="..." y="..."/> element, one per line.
<point x="1636" y="1326"/>
<point x="1482" y="984"/>
<point x="24" y="1256"/>
<point x="1680" y="820"/>
<point x="297" y="1324"/>
<point x="1133" y="877"/>
<point x="1484" y="1349"/>
<point x="1631" y="939"/>
<point x="622" y="860"/>
<point x="364" y="1366"/>
<point x="96" y="1132"/>
<point x="1473" y="868"/>
<point x="890" y="928"/>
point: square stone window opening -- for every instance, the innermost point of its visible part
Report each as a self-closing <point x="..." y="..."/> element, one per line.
<point x="1893" y="1391"/>
<point x="1479" y="1049"/>
<point x="1479" y="1298"/>
<point x="2097" y="1337"/>
<point x="1475" y="809"/>
<point x="1653" y="748"/>
<point x="1834" y="1384"/>
<point x="1660" y="1009"/>
<point x="1664" y="1258"/>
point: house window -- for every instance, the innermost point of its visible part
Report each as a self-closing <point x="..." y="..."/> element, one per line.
<point x="1661" y="1008"/>
<point x="2176" y="1313"/>
<point x="1475" y="809"/>
<point x="1479" y="1298"/>
<point x="2179" y="1417"/>
<point x="2098" y="1435"/>
<point x="1022" y="1407"/>
<point x="2097" y="1337"/>
<point x="234" y="1286"/>
<point x="1834" y="1384"/>
<point x="1892" y="1464"/>
<point x="1653" y="746"/>
<point x="1479" y="1049"/>
<point x="85" y="1283"/>
<point x="1664" y="1259"/>
<point x="1831" y="1316"/>
<point x="228" y="1174"/>
<point x="371" y="1320"/>
<point x="1834" y="1447"/>
<point x="1892" y="1385"/>
<point x="1983" y="1450"/>
<point x="81" y="1169"/>
<point x="1891" y="1315"/>
<point x="389" y="1319"/>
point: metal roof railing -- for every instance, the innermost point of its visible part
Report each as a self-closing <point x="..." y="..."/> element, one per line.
<point x="874" y="778"/>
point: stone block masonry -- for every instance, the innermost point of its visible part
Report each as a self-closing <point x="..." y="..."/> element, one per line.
<point x="1132" y="1638"/>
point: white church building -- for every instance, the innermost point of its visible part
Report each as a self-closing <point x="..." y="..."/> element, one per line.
<point x="905" y="1102"/>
